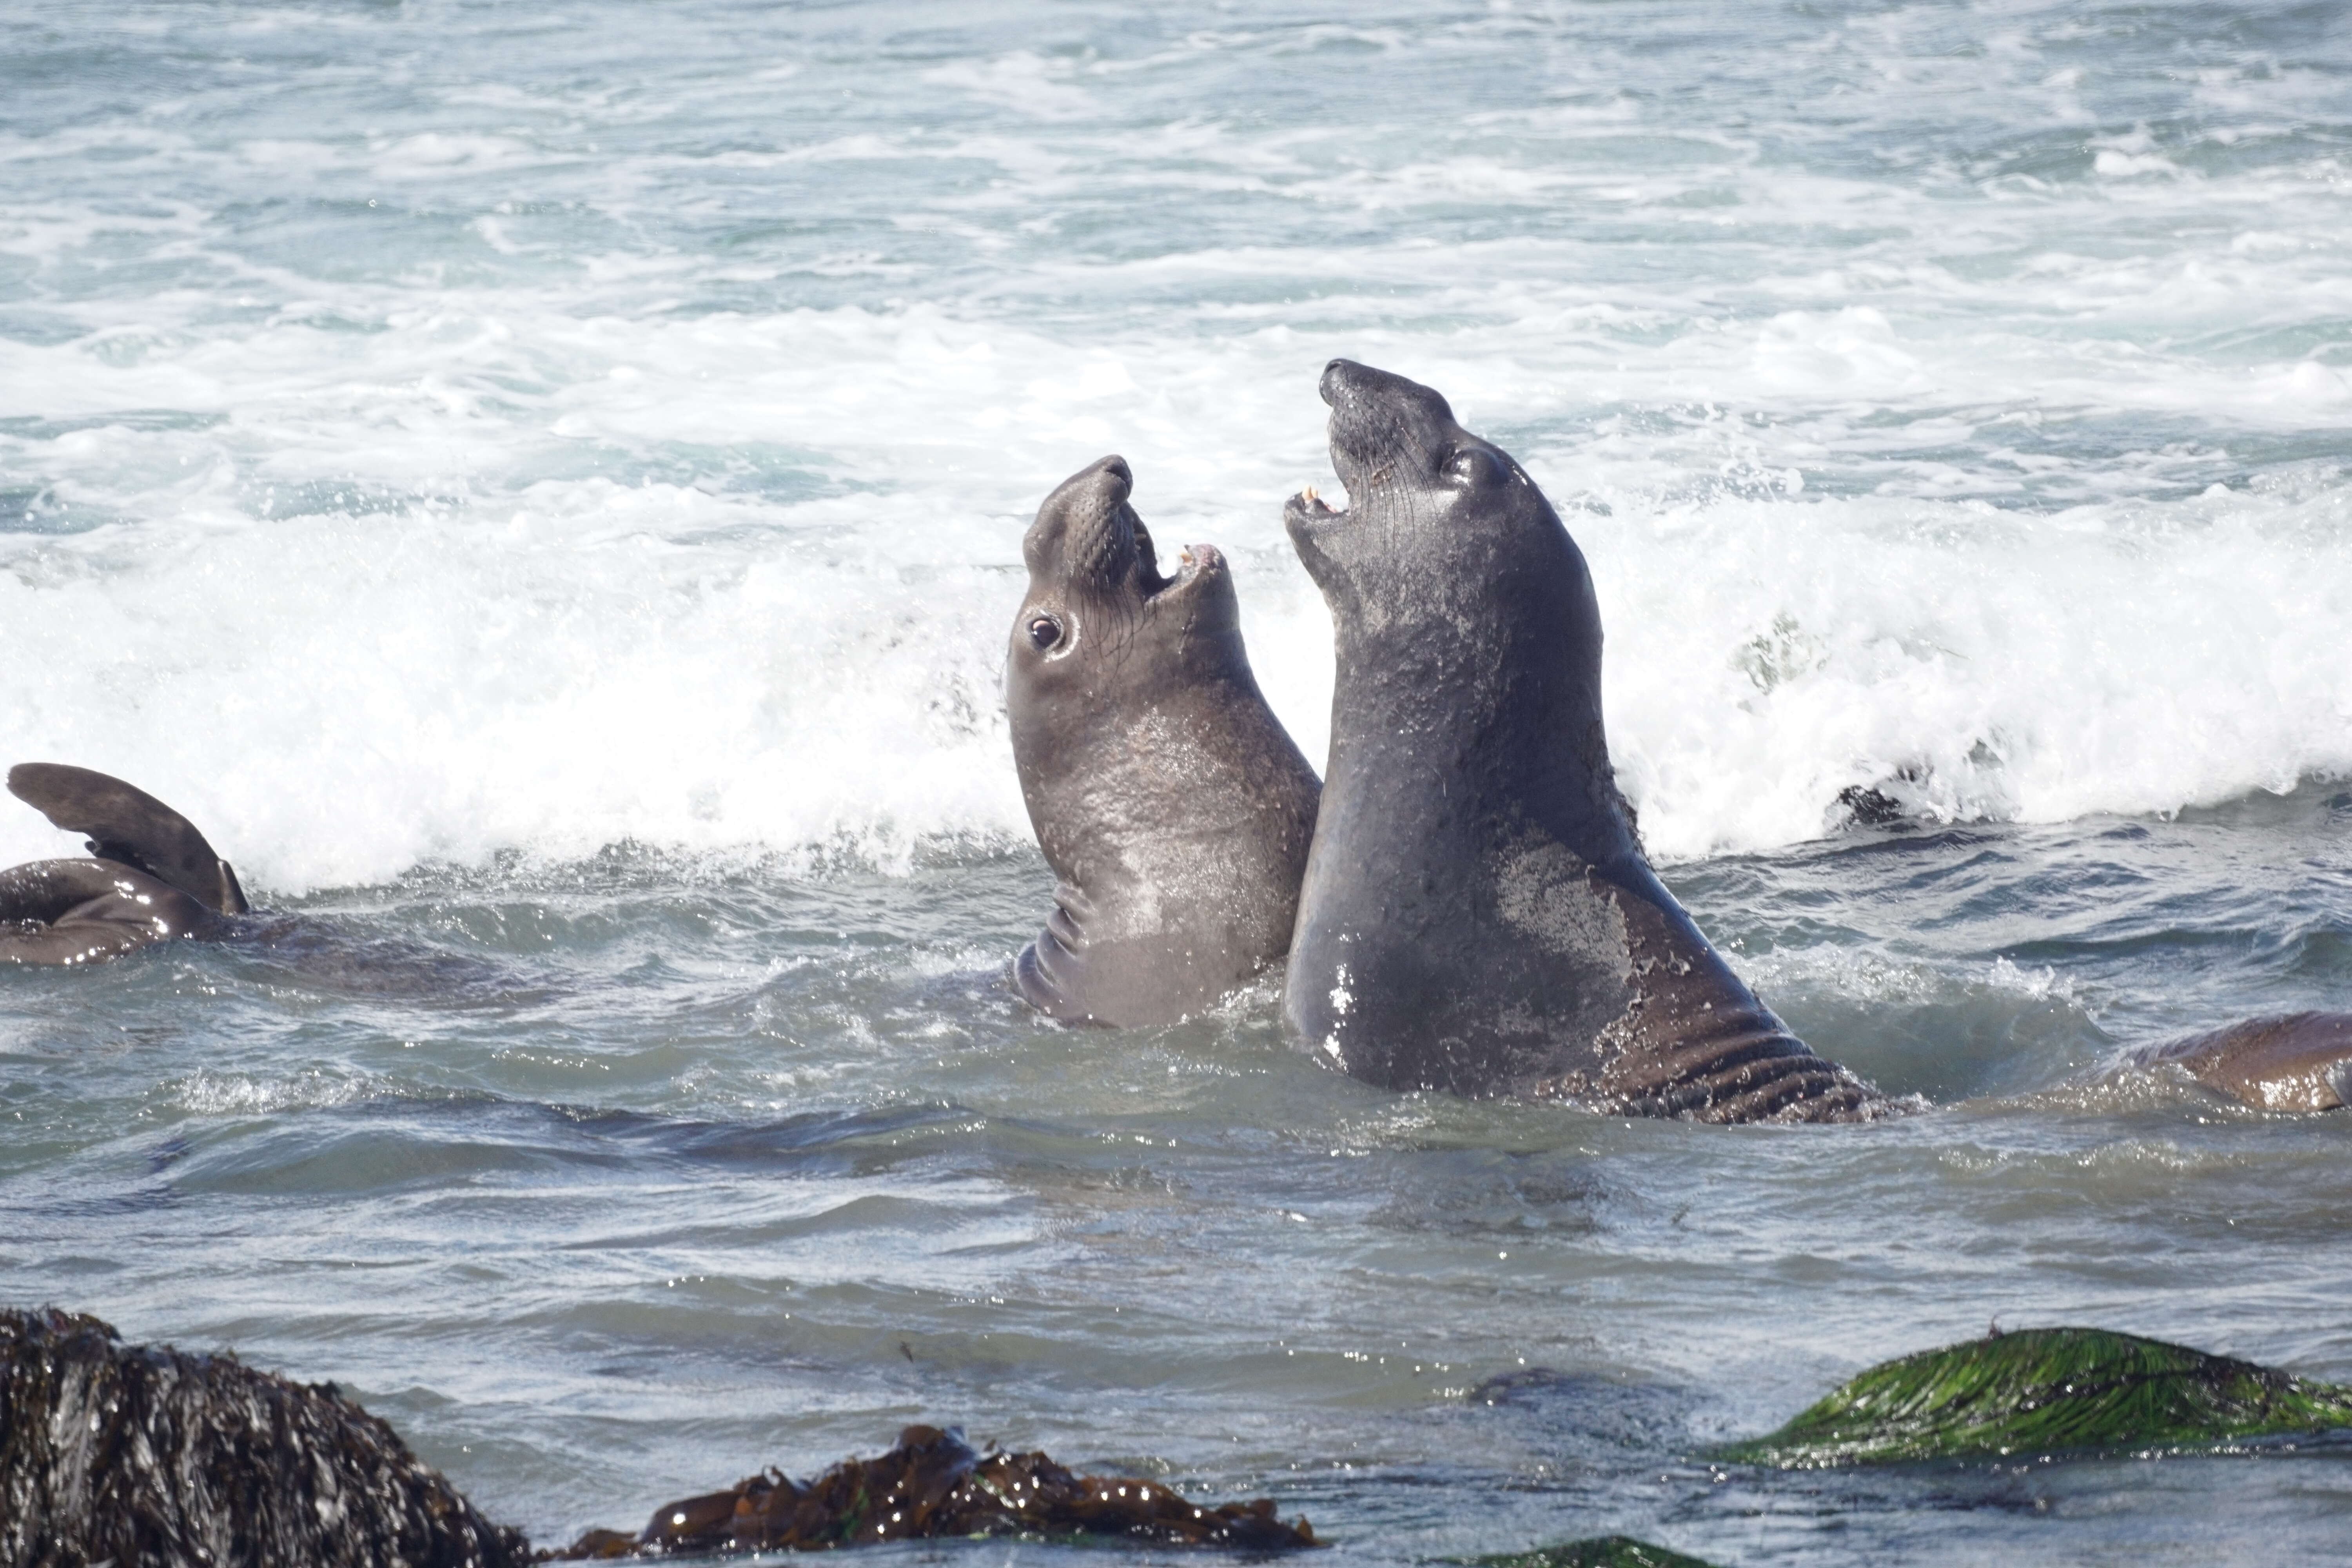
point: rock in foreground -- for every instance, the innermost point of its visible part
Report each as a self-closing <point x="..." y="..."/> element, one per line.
<point x="934" y="1483"/>
<point x="2041" y="1391"/>
<point x="129" y="1454"/>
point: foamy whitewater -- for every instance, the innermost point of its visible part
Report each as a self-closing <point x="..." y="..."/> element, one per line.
<point x="543" y="489"/>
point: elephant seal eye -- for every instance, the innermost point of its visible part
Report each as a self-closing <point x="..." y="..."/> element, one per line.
<point x="1044" y="631"/>
<point x="1472" y="466"/>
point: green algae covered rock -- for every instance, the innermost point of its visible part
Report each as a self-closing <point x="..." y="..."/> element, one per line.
<point x="1602" y="1551"/>
<point x="2040" y="1391"/>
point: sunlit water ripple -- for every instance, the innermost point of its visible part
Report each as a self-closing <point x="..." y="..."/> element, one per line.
<point x="542" y="489"/>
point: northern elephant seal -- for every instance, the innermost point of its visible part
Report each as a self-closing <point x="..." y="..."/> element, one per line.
<point x="1477" y="914"/>
<point x="1166" y="795"/>
<point x="152" y="876"/>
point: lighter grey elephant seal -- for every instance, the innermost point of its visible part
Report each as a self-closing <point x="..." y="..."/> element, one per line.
<point x="1166" y="795"/>
<point x="151" y="877"/>
<point x="1477" y="915"/>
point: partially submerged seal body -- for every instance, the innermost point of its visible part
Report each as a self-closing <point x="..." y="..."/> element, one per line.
<point x="2291" y="1061"/>
<point x="1477" y="914"/>
<point x="150" y="876"/>
<point x="1169" y="799"/>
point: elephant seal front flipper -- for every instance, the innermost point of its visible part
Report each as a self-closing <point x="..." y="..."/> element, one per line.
<point x="1166" y="795"/>
<point x="128" y="826"/>
<point x="1477" y="915"/>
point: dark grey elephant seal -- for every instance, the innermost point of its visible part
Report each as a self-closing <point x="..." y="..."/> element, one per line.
<point x="1477" y="915"/>
<point x="1167" y="796"/>
<point x="152" y="876"/>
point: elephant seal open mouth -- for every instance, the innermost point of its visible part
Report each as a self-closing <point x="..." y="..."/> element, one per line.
<point x="1166" y="795"/>
<point x="1477" y="915"/>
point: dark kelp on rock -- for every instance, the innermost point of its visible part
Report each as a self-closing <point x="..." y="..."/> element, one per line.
<point x="2045" y="1390"/>
<point x="1601" y="1552"/>
<point x="934" y="1483"/>
<point x="133" y="1454"/>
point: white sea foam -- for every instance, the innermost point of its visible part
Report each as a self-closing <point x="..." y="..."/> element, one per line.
<point x="208" y="1093"/>
<point x="555" y="500"/>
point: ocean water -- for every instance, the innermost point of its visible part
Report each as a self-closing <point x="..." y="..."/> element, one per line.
<point x="540" y="485"/>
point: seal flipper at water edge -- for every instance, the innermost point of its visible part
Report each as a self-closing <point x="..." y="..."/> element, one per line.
<point x="1477" y="915"/>
<point x="126" y="824"/>
<point x="152" y="876"/>
<point x="1168" y="798"/>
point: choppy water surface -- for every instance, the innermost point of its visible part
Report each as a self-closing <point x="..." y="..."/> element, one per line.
<point x="541" y="487"/>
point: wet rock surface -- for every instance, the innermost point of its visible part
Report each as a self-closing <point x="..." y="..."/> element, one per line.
<point x="129" y="1454"/>
<point x="136" y="1454"/>
<point x="935" y="1484"/>
<point x="2046" y="1391"/>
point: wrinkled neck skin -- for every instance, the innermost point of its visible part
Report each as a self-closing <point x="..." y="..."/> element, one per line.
<point x="60" y="913"/>
<point x="1477" y="916"/>
<point x="1169" y="800"/>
